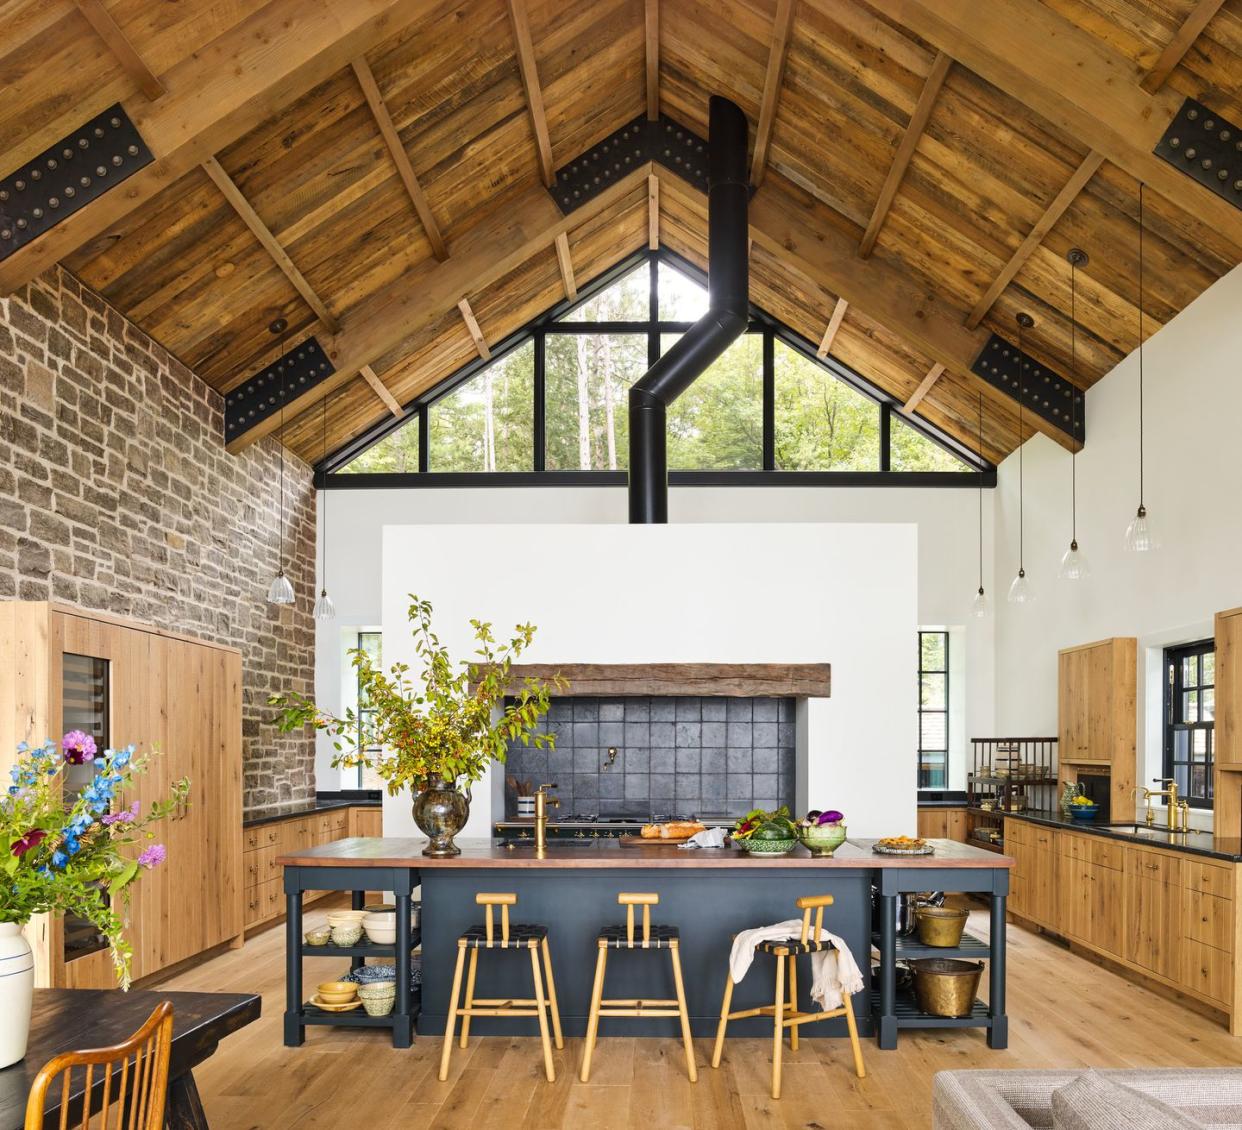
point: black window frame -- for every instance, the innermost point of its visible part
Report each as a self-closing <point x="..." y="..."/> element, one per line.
<point x="364" y="711"/>
<point x="329" y="472"/>
<point x="924" y="774"/>
<point x="1174" y="720"/>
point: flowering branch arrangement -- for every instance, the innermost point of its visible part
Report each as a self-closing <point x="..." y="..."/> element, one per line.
<point x="448" y="722"/>
<point x="78" y="853"/>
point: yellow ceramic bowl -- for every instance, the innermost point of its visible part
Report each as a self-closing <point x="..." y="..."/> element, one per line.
<point x="338" y="992"/>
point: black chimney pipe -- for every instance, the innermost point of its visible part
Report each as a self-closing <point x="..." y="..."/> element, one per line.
<point x="728" y="285"/>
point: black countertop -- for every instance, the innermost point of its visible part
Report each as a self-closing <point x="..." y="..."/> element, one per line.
<point x="1194" y="843"/>
<point x="942" y="798"/>
<point x="324" y="802"/>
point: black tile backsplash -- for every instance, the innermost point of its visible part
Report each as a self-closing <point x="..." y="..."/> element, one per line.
<point x="683" y="756"/>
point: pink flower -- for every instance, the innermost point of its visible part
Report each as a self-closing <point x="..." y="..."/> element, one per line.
<point x="152" y="856"/>
<point x="31" y="839"/>
<point x="79" y="747"/>
<point x="125" y="816"/>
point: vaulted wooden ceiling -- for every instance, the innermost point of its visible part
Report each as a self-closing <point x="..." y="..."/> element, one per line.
<point x="375" y="170"/>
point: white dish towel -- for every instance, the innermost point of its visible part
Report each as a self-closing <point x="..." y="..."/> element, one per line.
<point x="708" y="838"/>
<point x="833" y="971"/>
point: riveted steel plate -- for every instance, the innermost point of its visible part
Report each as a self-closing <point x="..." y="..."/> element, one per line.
<point x="1042" y="391"/>
<point x="304" y="366"/>
<point x="1207" y="147"/>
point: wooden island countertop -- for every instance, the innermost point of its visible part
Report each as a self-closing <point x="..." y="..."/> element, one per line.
<point x="573" y="855"/>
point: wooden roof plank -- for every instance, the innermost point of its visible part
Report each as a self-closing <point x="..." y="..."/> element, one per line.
<point x="1183" y="39"/>
<point x="118" y="43"/>
<point x="834" y="324"/>
<point x="782" y="25"/>
<point x="379" y="111"/>
<point x="905" y="150"/>
<point x="651" y="56"/>
<point x="530" y="83"/>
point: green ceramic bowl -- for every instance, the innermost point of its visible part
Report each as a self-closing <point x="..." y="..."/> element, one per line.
<point x="769" y="847"/>
<point x="822" y="839"/>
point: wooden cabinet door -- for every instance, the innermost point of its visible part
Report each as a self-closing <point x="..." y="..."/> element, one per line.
<point x="1229" y="689"/>
<point x="1153" y="918"/>
<point x="1043" y="905"/>
<point x="1073" y="704"/>
<point x="1105" y="919"/>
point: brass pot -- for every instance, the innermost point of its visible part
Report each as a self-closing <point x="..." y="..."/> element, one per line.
<point x="941" y="925"/>
<point x="946" y="986"/>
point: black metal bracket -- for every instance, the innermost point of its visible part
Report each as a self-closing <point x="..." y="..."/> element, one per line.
<point x="677" y="148"/>
<point x="302" y="368"/>
<point x="1206" y="147"/>
<point x="69" y="175"/>
<point x="1041" y="390"/>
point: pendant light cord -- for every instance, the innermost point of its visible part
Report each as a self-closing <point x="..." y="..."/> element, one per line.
<point x="1074" y="400"/>
<point x="1021" y="460"/>
<point x="323" y="552"/>
<point x="281" y="563"/>
<point x="1140" y="337"/>
<point x="980" y="491"/>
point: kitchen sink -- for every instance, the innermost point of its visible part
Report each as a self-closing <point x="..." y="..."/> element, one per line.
<point x="1155" y="832"/>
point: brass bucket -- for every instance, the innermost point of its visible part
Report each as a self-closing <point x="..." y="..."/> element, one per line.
<point x="941" y="925"/>
<point x="946" y="986"/>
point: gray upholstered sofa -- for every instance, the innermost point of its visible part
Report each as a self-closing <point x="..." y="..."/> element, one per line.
<point x="1015" y="1100"/>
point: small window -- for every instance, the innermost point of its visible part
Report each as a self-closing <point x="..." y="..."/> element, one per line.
<point x="822" y="424"/>
<point x="370" y="642"/>
<point x="911" y="450"/>
<point x="588" y="378"/>
<point x="681" y="298"/>
<point x="1190" y="720"/>
<point x="487" y="422"/>
<point x="628" y="299"/>
<point x="933" y="710"/>
<point x="717" y="423"/>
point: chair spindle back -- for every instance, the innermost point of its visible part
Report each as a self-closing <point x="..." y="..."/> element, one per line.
<point x="805" y="905"/>
<point x="504" y="901"/>
<point x="629" y="900"/>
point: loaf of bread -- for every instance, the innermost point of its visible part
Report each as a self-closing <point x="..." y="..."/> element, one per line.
<point x="673" y="830"/>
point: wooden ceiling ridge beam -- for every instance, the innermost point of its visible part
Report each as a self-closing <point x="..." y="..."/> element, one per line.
<point x="782" y="26"/>
<point x="1079" y="83"/>
<point x="237" y="200"/>
<point x="132" y="63"/>
<point x="534" y="93"/>
<point x="565" y="261"/>
<point x="834" y="324"/>
<point x="925" y="386"/>
<point x="381" y="390"/>
<point x="216" y="96"/>
<point x="651" y="56"/>
<point x="385" y="321"/>
<point x="905" y="150"/>
<point x="1183" y="39"/>
<point x="392" y="140"/>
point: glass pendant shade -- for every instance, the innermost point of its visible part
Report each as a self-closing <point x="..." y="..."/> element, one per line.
<point x="324" y="608"/>
<point x="979" y="606"/>
<point x="1020" y="591"/>
<point x="280" y="590"/>
<point x="1073" y="564"/>
<point x="1139" y="535"/>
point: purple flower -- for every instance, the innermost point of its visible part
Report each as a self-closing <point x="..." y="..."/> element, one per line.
<point x="79" y="747"/>
<point x="152" y="856"/>
<point x="125" y="816"/>
<point x="31" y="839"/>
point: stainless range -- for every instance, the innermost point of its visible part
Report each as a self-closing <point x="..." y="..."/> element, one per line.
<point x="596" y="826"/>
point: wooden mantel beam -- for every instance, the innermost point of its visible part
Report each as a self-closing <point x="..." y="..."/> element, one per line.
<point x="215" y="96"/>
<point x="734" y="680"/>
<point x="530" y="83"/>
<point x="118" y="43"/>
<point x="782" y="25"/>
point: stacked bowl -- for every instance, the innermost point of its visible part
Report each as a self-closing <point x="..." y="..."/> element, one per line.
<point x="378" y="997"/>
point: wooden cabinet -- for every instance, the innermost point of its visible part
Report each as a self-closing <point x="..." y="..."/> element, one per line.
<point x="179" y="700"/>
<point x="1228" y="738"/>
<point x="939" y="823"/>
<point x="1097" y="721"/>
<point x="1153" y="920"/>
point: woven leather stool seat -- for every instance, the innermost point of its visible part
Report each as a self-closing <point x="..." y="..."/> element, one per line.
<point x="792" y="945"/>
<point x="521" y="936"/>
<point x="618" y="937"/>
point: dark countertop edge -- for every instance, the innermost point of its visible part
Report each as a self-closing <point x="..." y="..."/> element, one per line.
<point x="951" y="799"/>
<point x="1072" y="825"/>
<point x="323" y="803"/>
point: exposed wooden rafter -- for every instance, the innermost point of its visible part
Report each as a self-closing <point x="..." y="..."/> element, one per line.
<point x="834" y="324"/>
<point x="653" y="213"/>
<point x="905" y="151"/>
<point x="782" y="25"/>
<point x="530" y="83"/>
<point x="381" y="390"/>
<point x="118" y="43"/>
<point x="216" y="95"/>
<point x="1046" y="222"/>
<point x="1183" y="39"/>
<point x="472" y="325"/>
<point x="388" y="131"/>
<point x="651" y="48"/>
<point x="565" y="261"/>
<point x="925" y="386"/>
<point x="270" y="243"/>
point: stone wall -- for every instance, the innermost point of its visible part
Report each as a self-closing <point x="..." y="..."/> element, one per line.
<point x="116" y="494"/>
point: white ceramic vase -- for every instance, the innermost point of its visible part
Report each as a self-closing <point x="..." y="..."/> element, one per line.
<point x="16" y="993"/>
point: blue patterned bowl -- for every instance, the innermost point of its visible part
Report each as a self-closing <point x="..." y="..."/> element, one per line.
<point x="1084" y="811"/>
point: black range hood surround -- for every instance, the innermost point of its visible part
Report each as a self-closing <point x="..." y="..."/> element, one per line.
<point x="728" y="285"/>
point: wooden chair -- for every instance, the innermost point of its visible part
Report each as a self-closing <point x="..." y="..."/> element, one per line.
<point x="134" y="1074"/>
<point x="515" y="936"/>
<point x="623" y="937"/>
<point x="785" y="1014"/>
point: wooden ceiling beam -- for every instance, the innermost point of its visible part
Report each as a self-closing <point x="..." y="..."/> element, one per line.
<point x="651" y="41"/>
<point x="653" y="213"/>
<point x="782" y="25"/>
<point x="534" y="93"/>
<point x="229" y="190"/>
<point x="215" y="96"/>
<point x="834" y="324"/>
<point x="381" y="390"/>
<point x="388" y="131"/>
<point x="394" y="315"/>
<point x="1073" y="79"/>
<point x="905" y="150"/>
<point x="1192" y="27"/>
<point x="566" y="263"/>
<point x="1046" y="222"/>
<point x="925" y="386"/>
<point x="118" y="43"/>
<point x="472" y="325"/>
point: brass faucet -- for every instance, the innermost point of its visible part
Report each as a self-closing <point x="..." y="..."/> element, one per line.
<point x="542" y="800"/>
<point x="1178" y="815"/>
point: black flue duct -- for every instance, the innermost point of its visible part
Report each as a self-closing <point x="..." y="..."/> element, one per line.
<point x="728" y="285"/>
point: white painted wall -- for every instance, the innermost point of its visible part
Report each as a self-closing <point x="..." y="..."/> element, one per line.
<point x="946" y="522"/>
<point x="1194" y="497"/>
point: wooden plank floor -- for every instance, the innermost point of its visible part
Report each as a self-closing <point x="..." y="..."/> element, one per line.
<point x="1064" y="1011"/>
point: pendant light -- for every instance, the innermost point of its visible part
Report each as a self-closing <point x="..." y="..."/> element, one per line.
<point x="979" y="606"/>
<point x="1139" y="537"/>
<point x="1074" y="563"/>
<point x="1020" y="590"/>
<point x="324" y="608"/>
<point x="281" y="591"/>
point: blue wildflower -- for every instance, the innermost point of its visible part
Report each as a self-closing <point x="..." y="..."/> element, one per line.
<point x="59" y="859"/>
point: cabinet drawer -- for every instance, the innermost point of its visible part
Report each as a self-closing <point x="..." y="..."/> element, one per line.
<point x="1209" y="919"/>
<point x="1163" y="867"/>
<point x="1043" y="839"/>
<point x="1207" y="971"/>
<point x="1208" y="878"/>
<point x="263" y="902"/>
<point x="266" y="836"/>
<point x="261" y="866"/>
<point x="1016" y="832"/>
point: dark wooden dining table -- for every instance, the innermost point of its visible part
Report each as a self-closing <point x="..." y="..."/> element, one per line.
<point x="75" y="1019"/>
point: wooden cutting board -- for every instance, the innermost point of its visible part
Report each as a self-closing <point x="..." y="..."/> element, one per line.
<point x="639" y="841"/>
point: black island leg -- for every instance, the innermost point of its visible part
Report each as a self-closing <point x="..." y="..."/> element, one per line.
<point x="295" y="1030"/>
<point x="886" y="1030"/>
<point x="402" y="1020"/>
<point x="998" y="1032"/>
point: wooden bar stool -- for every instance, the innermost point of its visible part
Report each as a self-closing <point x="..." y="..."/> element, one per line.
<point x="785" y="1014"/>
<point x="516" y="936"/>
<point x="652" y="937"/>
